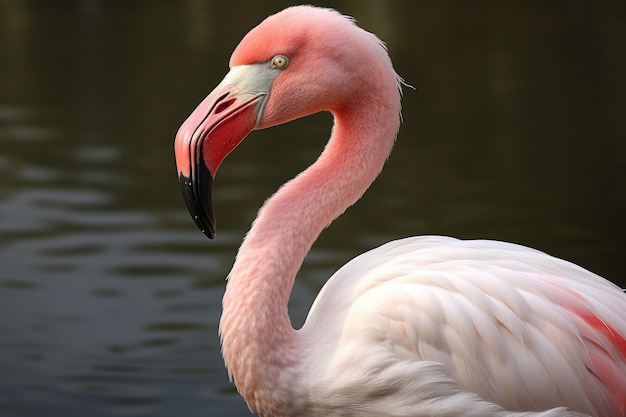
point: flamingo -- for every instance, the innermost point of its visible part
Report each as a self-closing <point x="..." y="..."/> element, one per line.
<point x="421" y="326"/>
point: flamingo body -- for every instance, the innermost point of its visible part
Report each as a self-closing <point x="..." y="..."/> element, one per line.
<point x="500" y="320"/>
<point x="424" y="326"/>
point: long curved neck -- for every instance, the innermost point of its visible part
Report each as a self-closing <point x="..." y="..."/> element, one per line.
<point x="259" y="344"/>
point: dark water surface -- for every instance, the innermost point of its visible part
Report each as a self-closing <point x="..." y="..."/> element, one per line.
<point x="110" y="297"/>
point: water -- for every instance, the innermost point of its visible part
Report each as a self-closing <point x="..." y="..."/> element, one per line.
<point x="109" y="296"/>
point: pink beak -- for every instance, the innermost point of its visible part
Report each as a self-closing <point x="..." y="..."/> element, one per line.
<point x="209" y="134"/>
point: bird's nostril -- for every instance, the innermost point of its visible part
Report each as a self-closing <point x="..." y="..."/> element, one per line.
<point x="223" y="105"/>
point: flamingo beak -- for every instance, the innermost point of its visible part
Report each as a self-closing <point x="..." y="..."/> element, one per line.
<point x="221" y="121"/>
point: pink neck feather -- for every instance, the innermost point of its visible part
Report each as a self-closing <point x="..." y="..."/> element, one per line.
<point x="259" y="344"/>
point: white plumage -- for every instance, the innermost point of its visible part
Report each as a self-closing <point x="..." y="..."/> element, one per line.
<point x="490" y="317"/>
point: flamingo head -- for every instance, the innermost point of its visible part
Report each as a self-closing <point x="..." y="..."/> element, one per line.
<point x="297" y="62"/>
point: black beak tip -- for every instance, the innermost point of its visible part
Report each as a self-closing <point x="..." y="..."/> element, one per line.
<point x="197" y="196"/>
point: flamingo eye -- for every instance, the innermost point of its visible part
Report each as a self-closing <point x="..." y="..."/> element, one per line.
<point x="280" y="62"/>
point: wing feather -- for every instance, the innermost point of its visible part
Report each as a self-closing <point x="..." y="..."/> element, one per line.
<point x="495" y="317"/>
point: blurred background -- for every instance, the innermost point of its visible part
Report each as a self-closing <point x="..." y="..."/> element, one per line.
<point x="110" y="296"/>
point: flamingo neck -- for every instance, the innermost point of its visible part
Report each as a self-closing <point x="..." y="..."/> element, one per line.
<point x="261" y="349"/>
